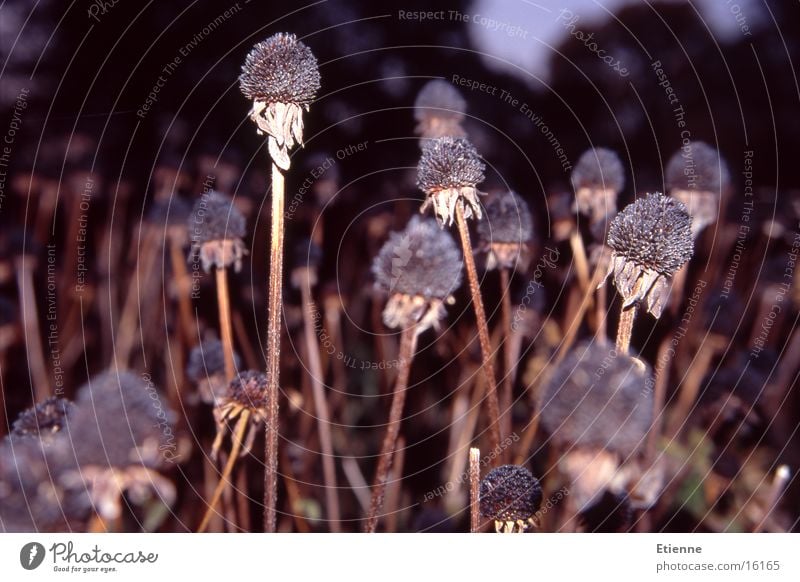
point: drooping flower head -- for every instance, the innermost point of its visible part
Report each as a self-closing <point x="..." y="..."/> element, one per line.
<point x="281" y="77"/>
<point x="650" y="240"/>
<point x="448" y="173"/>
<point x="597" y="179"/>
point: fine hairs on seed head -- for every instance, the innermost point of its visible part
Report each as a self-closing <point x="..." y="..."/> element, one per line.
<point x="511" y="495"/>
<point x="651" y="239"/>
<point x="419" y="268"/>
<point x="450" y="170"/>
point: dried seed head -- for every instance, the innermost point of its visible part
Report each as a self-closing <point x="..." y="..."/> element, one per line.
<point x="32" y="494"/>
<point x="651" y="239"/>
<point x="697" y="176"/>
<point x="507" y="230"/>
<point x="216" y="229"/>
<point x="249" y="389"/>
<point x="439" y="110"/>
<point x="119" y="421"/>
<point x="419" y="267"/>
<point x="206" y="368"/>
<point x="448" y="173"/>
<point x="598" y="399"/>
<point x="281" y="77"/>
<point x="598" y="178"/>
<point x="510" y="494"/>
<point x="43" y="420"/>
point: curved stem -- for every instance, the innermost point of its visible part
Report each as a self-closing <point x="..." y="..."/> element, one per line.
<point x="238" y="436"/>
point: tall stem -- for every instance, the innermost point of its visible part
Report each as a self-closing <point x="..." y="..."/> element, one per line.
<point x="275" y="285"/>
<point x="474" y="490"/>
<point x="321" y="407"/>
<point x="408" y="345"/>
<point x="483" y="333"/>
<point x="626" y="317"/>
<point x="226" y="329"/>
<point x="507" y="393"/>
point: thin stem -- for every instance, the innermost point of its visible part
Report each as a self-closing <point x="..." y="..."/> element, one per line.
<point x="30" y="323"/>
<point x="408" y="345"/>
<point x="626" y="317"/>
<point x="275" y="285"/>
<point x="483" y="333"/>
<point x="226" y="329"/>
<point x="321" y="407"/>
<point x="581" y="262"/>
<point x="474" y="490"/>
<point x="507" y="394"/>
<point x="184" y="286"/>
<point x="238" y="437"/>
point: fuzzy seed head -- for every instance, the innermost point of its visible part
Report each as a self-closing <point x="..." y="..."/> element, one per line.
<point x="654" y="233"/>
<point x="597" y="399"/>
<point x="119" y="420"/>
<point x="449" y="163"/>
<point x="43" y="420"/>
<point x="439" y="98"/>
<point x="249" y="389"/>
<point x="280" y="69"/>
<point x="510" y="493"/>
<point x="599" y="169"/>
<point x="208" y="359"/>
<point x="216" y="229"/>
<point x="422" y="260"/>
<point x="697" y="167"/>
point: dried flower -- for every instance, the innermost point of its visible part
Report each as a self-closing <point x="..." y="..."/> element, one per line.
<point x="448" y="172"/>
<point x="598" y="178"/>
<point x="510" y="496"/>
<point x="206" y="368"/>
<point x="507" y="230"/>
<point x="281" y="77"/>
<point x="439" y="110"/>
<point x="419" y="268"/>
<point x="651" y="239"/>
<point x="697" y="175"/>
<point x="596" y="398"/>
<point x="216" y="229"/>
<point x="44" y="420"/>
<point x="246" y="392"/>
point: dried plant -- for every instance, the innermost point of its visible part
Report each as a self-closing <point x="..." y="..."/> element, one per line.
<point x="510" y="496"/>
<point x="439" y="111"/>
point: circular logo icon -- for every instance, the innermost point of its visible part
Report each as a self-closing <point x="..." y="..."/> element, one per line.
<point x="31" y="555"/>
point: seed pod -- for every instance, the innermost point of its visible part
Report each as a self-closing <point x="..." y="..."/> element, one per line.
<point x="651" y="239"/>
<point x="281" y="77"/>
<point x="448" y="173"/>
<point x="216" y="229"/>
<point x="43" y="420"/>
<point x="697" y="175"/>
<point x="597" y="179"/>
<point x="119" y="421"/>
<point x="419" y="268"/>
<point x="507" y="230"/>
<point x="510" y="496"/>
<point x="249" y="390"/>
<point x="206" y="368"/>
<point x="439" y="111"/>
<point x="598" y="399"/>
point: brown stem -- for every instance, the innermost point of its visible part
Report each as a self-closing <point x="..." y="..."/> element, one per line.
<point x="238" y="437"/>
<point x="625" y="327"/>
<point x="30" y="322"/>
<point x="483" y="334"/>
<point x="507" y="394"/>
<point x="226" y="329"/>
<point x="581" y="262"/>
<point x="395" y="488"/>
<point x="408" y="345"/>
<point x="275" y="285"/>
<point x="183" y="285"/>
<point x="321" y="406"/>
<point x="474" y="488"/>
